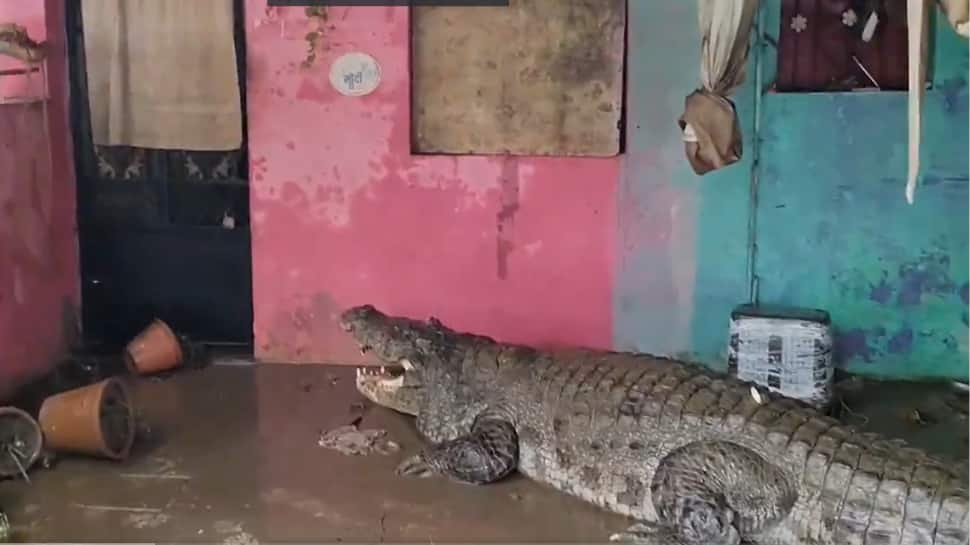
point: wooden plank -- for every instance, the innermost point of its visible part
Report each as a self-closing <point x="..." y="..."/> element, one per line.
<point x="787" y="47"/>
<point x="806" y="75"/>
<point x="540" y="77"/>
<point x="833" y="39"/>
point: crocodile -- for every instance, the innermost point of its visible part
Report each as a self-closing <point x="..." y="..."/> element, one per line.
<point x="690" y="455"/>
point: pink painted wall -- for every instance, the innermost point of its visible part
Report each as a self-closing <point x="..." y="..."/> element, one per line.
<point x="518" y="248"/>
<point x="38" y="250"/>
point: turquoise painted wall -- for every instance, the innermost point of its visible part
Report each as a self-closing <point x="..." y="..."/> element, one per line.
<point x="683" y="239"/>
<point x="832" y="229"/>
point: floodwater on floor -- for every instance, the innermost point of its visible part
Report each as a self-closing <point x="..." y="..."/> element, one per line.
<point x="230" y="454"/>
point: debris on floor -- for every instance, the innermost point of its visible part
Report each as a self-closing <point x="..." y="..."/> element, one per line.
<point x="915" y="417"/>
<point x="233" y="534"/>
<point x="352" y="441"/>
<point x="147" y="520"/>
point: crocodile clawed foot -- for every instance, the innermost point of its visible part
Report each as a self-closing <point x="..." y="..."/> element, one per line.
<point x="415" y="466"/>
<point x="646" y="534"/>
<point x="655" y="534"/>
<point x="652" y="534"/>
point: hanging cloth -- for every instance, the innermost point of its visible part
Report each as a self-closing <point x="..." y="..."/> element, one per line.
<point x="162" y="74"/>
<point x="711" y="130"/>
<point x="917" y="20"/>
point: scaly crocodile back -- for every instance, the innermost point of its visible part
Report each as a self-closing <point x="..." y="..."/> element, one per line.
<point x="598" y="424"/>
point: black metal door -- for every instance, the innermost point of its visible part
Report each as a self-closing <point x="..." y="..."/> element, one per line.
<point x="162" y="233"/>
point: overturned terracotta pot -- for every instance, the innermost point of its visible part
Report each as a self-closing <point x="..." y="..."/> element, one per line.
<point x="20" y="442"/>
<point x="154" y="350"/>
<point x="96" y="420"/>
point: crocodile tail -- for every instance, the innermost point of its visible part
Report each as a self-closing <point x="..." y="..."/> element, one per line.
<point x="863" y="488"/>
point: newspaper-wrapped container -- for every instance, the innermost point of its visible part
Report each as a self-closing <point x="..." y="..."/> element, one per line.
<point x="787" y="350"/>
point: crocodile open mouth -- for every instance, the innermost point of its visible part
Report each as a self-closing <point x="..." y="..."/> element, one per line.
<point x="387" y="376"/>
<point x="396" y="387"/>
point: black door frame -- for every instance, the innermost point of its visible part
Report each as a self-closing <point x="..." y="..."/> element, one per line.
<point x="143" y="259"/>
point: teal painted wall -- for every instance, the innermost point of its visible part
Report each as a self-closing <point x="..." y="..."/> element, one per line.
<point x="834" y="230"/>
<point x="682" y="239"/>
<point x="831" y="225"/>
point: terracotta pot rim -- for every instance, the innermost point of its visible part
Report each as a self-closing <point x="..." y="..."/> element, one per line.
<point x="115" y="385"/>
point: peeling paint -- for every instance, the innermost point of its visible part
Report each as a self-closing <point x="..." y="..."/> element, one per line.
<point x="902" y="341"/>
<point x="367" y="221"/>
<point x="853" y="344"/>
<point x="927" y="275"/>
<point x="38" y="247"/>
<point x="653" y="257"/>
<point x="881" y="293"/>
<point x="884" y="266"/>
<point x="505" y="218"/>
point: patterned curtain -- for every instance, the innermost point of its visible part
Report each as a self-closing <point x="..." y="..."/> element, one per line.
<point x="139" y="164"/>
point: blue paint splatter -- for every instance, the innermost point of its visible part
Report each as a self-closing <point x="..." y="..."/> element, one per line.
<point x="852" y="344"/>
<point x="928" y="274"/>
<point x="881" y="293"/>
<point x="952" y="89"/>
<point x="965" y="293"/>
<point x="902" y="341"/>
<point x="965" y="319"/>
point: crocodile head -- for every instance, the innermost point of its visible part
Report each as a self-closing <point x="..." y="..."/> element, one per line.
<point x="395" y="341"/>
<point x="426" y="373"/>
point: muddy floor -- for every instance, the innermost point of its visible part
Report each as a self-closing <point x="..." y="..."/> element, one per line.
<point x="230" y="454"/>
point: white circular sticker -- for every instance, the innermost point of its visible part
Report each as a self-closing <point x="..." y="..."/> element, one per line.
<point x="355" y="74"/>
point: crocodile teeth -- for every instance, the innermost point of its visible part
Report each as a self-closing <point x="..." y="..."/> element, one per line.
<point x="406" y="364"/>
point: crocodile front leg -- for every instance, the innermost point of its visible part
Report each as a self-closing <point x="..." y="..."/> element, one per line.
<point x="488" y="453"/>
<point x="715" y="493"/>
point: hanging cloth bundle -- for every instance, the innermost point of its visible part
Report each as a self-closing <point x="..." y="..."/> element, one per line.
<point x="958" y="13"/>
<point x="711" y="131"/>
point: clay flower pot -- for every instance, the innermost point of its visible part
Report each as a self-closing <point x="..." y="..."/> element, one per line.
<point x="96" y="420"/>
<point x="154" y="350"/>
<point x="20" y="442"/>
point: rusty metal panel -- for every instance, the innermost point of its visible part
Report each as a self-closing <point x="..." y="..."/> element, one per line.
<point x="540" y="77"/>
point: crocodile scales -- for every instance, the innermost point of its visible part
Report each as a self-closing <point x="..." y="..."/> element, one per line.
<point x="692" y="456"/>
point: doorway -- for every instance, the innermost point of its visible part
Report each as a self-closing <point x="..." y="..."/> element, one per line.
<point x="162" y="233"/>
